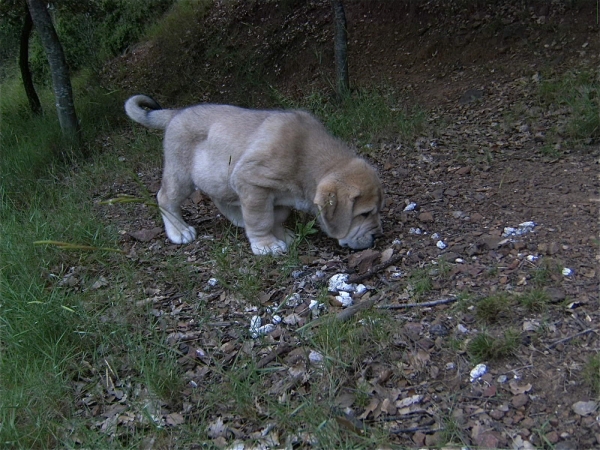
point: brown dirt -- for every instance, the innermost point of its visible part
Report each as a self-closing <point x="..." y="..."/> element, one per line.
<point x="481" y="166"/>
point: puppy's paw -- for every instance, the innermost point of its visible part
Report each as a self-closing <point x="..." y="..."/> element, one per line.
<point x="285" y="235"/>
<point x="182" y="234"/>
<point x="271" y="247"/>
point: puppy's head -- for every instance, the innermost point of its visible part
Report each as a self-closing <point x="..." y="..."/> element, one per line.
<point x="349" y="201"/>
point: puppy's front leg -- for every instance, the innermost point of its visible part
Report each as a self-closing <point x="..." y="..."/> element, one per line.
<point x="259" y="219"/>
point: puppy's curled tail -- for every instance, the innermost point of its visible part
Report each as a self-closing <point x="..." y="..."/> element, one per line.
<point x="153" y="117"/>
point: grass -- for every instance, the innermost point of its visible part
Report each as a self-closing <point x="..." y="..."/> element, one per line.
<point x="577" y="91"/>
<point x="485" y="347"/>
<point x="591" y="373"/>
<point x="492" y="309"/>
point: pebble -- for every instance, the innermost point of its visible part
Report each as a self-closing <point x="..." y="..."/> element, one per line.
<point x="478" y="371"/>
<point x="520" y="400"/>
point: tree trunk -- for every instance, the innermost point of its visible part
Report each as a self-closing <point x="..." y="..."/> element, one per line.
<point x="61" y="82"/>
<point x="32" y="97"/>
<point x="340" y="42"/>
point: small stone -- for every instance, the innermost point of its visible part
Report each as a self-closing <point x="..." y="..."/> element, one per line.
<point x="426" y="217"/>
<point x="496" y="414"/>
<point x="520" y="400"/>
<point x="552" y="437"/>
<point x="463" y="171"/>
<point x="476" y="217"/>
<point x="585" y="408"/>
<point x="419" y="438"/>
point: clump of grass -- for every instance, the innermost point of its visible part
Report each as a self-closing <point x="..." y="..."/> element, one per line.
<point x="485" y="347"/>
<point x="420" y="282"/>
<point x="535" y="300"/>
<point x="545" y="272"/>
<point x="578" y="91"/>
<point x="591" y="373"/>
<point x="492" y="309"/>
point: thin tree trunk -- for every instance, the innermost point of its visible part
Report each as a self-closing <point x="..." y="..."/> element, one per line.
<point x="61" y="81"/>
<point x="32" y="97"/>
<point x="340" y="43"/>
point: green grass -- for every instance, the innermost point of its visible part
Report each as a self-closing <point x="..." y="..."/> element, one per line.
<point x="535" y="300"/>
<point x="591" y="373"/>
<point x="493" y="309"/>
<point x="577" y="91"/>
<point x="485" y="347"/>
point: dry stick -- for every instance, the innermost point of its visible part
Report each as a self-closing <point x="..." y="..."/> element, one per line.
<point x="568" y="338"/>
<point x="442" y="301"/>
<point x="373" y="270"/>
<point x="351" y="310"/>
<point x="284" y="348"/>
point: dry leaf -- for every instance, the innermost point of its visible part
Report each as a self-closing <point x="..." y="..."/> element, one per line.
<point x="516" y="389"/>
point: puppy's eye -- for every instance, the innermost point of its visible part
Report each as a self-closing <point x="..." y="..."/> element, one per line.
<point x="367" y="214"/>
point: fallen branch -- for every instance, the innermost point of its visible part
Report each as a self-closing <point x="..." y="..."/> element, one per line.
<point x="282" y="349"/>
<point x="375" y="269"/>
<point x="442" y="301"/>
<point x="352" y="310"/>
<point x="568" y="338"/>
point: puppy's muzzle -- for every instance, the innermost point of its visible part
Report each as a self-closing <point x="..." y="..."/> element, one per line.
<point x="362" y="242"/>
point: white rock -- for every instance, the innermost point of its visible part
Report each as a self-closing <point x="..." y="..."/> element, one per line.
<point x="315" y="357"/>
<point x="410" y="207"/>
<point x="435" y="236"/>
<point x="567" y="272"/>
<point x="585" y="408"/>
<point x="478" y="371"/>
<point x="532" y="258"/>
<point x="338" y="283"/>
<point x="415" y="231"/>
<point x="345" y="300"/>
<point x="460" y="327"/>
<point x="313" y="305"/>
<point x="440" y="245"/>
<point x="293" y="300"/>
<point x="213" y="282"/>
<point x="276" y="319"/>
<point x="360" y="289"/>
<point x="255" y="323"/>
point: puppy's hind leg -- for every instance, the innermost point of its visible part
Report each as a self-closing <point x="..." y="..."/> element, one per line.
<point x="170" y="196"/>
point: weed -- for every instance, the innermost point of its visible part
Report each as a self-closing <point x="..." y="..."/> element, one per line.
<point x="492" y="309"/>
<point x="578" y="91"/>
<point x="591" y="373"/>
<point x="535" y="300"/>
<point x="485" y="347"/>
<point x="420" y="282"/>
<point x="545" y="272"/>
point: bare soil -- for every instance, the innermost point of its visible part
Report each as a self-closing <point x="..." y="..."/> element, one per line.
<point x="491" y="158"/>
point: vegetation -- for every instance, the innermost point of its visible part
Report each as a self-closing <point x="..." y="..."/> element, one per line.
<point x="70" y="349"/>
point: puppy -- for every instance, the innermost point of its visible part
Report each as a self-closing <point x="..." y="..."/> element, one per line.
<point x="257" y="166"/>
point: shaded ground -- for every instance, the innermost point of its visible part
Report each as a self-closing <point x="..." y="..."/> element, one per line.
<point x="493" y="156"/>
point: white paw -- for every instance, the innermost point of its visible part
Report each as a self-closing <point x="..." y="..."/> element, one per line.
<point x="275" y="247"/>
<point x="181" y="234"/>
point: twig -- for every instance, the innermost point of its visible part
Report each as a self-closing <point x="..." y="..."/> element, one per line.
<point x="352" y="310"/>
<point x="282" y="349"/>
<point x="345" y="314"/>
<point x="373" y="270"/>
<point x="442" y="301"/>
<point x="568" y="338"/>
<point x="415" y="429"/>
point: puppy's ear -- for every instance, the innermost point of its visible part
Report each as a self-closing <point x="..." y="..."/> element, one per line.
<point x="335" y="203"/>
